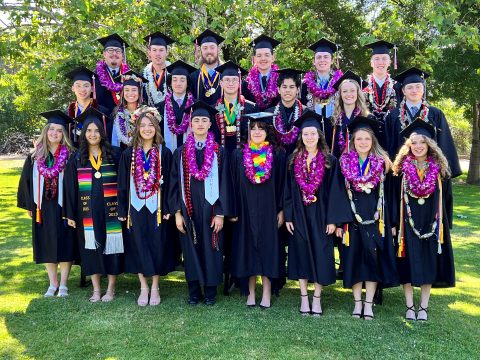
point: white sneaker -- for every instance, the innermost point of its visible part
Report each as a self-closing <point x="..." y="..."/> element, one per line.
<point x="50" y="291"/>
<point x="62" y="291"/>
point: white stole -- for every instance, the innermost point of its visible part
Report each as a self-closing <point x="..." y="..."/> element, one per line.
<point x="36" y="190"/>
<point x="169" y="137"/>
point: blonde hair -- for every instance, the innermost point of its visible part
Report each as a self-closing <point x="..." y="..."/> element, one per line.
<point x="376" y="149"/>
<point x="361" y="102"/>
<point x="41" y="144"/>
<point x="152" y="115"/>
<point x="433" y="150"/>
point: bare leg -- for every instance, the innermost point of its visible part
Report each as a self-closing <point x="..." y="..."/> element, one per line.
<point x="424" y="299"/>
<point x="110" y="293"/>
<point x="64" y="272"/>
<point x="357" y="298"/>
<point x="155" y="291"/>
<point x="316" y="304"/>
<point x="52" y="274"/>
<point x="267" y="292"/>
<point x="96" y="288"/>
<point x="370" y="287"/>
<point x="252" y="282"/>
<point x="304" y="303"/>
<point x="408" y="291"/>
<point x="144" y="290"/>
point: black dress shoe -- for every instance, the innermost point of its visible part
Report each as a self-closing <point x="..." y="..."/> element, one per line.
<point x="209" y="302"/>
<point x="192" y="301"/>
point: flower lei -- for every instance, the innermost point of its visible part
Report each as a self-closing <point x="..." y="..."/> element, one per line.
<point x="286" y="137"/>
<point x="263" y="99"/>
<point x="350" y="166"/>
<point x="220" y="117"/>
<point x="105" y="78"/>
<point x="50" y="174"/>
<point x="124" y="125"/>
<point x="146" y="172"/>
<point x="309" y="179"/>
<point x="413" y="185"/>
<point x="171" y="118"/>
<point x="404" y="117"/>
<point x="258" y="161"/>
<point x="210" y="149"/>
<point x="154" y="95"/>
<point x="388" y="94"/>
<point x="316" y="90"/>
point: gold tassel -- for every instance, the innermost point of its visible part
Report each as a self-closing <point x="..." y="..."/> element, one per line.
<point x="401" y="248"/>
<point x="381" y="227"/>
<point x="346" y="236"/>
<point x="38" y="215"/>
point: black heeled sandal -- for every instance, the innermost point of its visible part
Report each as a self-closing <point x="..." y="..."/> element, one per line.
<point x="420" y="308"/>
<point x="314" y="313"/>
<point x="357" y="315"/>
<point x="365" y="316"/>
<point x="304" y="313"/>
<point x="410" y="308"/>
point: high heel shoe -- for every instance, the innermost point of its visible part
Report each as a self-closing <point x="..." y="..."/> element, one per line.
<point x="304" y="313"/>
<point x="365" y="316"/>
<point x="314" y="313"/>
<point x="420" y="308"/>
<point x="357" y="315"/>
<point x="412" y="308"/>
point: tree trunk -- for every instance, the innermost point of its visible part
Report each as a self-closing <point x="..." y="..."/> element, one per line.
<point x="473" y="176"/>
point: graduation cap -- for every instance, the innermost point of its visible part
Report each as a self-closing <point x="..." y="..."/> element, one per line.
<point x="200" y="108"/>
<point x="180" y="67"/>
<point x="91" y="114"/>
<point x="133" y="78"/>
<point x="208" y="36"/>
<point x="113" y="40"/>
<point x="324" y="45"/>
<point x="158" y="38"/>
<point x="412" y="75"/>
<point x="289" y="71"/>
<point x="230" y="69"/>
<point x="420" y="127"/>
<point x="264" y="42"/>
<point x="383" y="47"/>
<point x="350" y="75"/>
<point x="80" y="73"/>
<point x="57" y="117"/>
<point x="364" y="122"/>
<point x="309" y="118"/>
<point x="264" y="117"/>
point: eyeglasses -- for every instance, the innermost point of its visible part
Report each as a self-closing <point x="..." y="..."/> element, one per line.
<point x="112" y="51"/>
<point x="230" y="80"/>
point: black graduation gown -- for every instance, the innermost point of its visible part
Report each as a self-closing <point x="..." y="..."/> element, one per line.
<point x="149" y="249"/>
<point x="105" y="97"/>
<point x="422" y="265"/>
<point x="255" y="235"/>
<point x="92" y="261"/>
<point x="179" y="111"/>
<point x="369" y="257"/>
<point x="249" y="96"/>
<point x="53" y="240"/>
<point x="310" y="249"/>
<point x="287" y="117"/>
<point x="444" y="138"/>
<point x="108" y="121"/>
<point x="198" y="88"/>
<point x="202" y="262"/>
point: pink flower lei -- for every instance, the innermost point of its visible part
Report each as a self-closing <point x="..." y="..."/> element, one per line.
<point x="414" y="185"/>
<point x="317" y="91"/>
<point x="350" y="167"/>
<point x="58" y="165"/>
<point x="105" y="78"/>
<point x="146" y="173"/>
<point x="263" y="99"/>
<point x="309" y="179"/>
<point x="211" y="148"/>
<point x="286" y="137"/>
<point x="258" y="161"/>
<point x="170" y="114"/>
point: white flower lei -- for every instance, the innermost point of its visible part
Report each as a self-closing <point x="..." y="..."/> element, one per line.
<point x="124" y="116"/>
<point x="154" y="96"/>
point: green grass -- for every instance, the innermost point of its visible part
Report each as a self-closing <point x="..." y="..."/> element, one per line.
<point x="32" y="327"/>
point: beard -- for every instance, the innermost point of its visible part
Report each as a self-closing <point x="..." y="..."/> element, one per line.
<point x="210" y="59"/>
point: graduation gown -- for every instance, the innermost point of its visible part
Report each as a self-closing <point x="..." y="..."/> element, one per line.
<point x="105" y="97"/>
<point x="147" y="98"/>
<point x="249" y="96"/>
<point x="422" y="264"/>
<point x="255" y="235"/>
<point x="311" y="102"/>
<point x="149" y="249"/>
<point x="92" y="261"/>
<point x="369" y="257"/>
<point x="70" y="111"/>
<point x="202" y="262"/>
<point x="179" y="111"/>
<point x="444" y="139"/>
<point x="53" y="241"/>
<point x="310" y="249"/>
<point x="198" y="88"/>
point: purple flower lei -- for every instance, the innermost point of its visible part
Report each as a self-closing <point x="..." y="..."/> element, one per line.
<point x="309" y="180"/>
<point x="286" y="137"/>
<point x="263" y="99"/>
<point x="57" y="167"/>
<point x="258" y="174"/>
<point x="210" y="147"/>
<point x="350" y="167"/>
<point x="317" y="91"/>
<point x="149" y="185"/>
<point x="105" y="79"/>
<point x="170" y="114"/>
<point x="414" y="185"/>
<point x="343" y="120"/>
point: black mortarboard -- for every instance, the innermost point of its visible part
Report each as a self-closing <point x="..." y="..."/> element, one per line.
<point x="289" y="71"/>
<point x="113" y="40"/>
<point x="264" y="42"/>
<point x="265" y="117"/>
<point x="91" y="114"/>
<point x="133" y="78"/>
<point x="324" y="45"/>
<point x="180" y="67"/>
<point x="350" y="75"/>
<point x="420" y="127"/>
<point x="380" y="47"/>
<point x="158" y="38"/>
<point x="57" y="117"/>
<point x="80" y="73"/>
<point x="230" y="69"/>
<point x="412" y="75"/>
<point x="309" y="118"/>
<point x="200" y="108"/>
<point x="208" y="36"/>
<point x="364" y="122"/>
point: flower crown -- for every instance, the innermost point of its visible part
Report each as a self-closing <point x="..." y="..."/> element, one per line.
<point x="144" y="109"/>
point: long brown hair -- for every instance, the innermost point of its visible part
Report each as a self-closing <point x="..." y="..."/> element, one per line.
<point x="300" y="148"/>
<point x="361" y="102"/>
<point x="433" y="150"/>
<point x="41" y="143"/>
<point x="376" y="149"/>
<point x="153" y="116"/>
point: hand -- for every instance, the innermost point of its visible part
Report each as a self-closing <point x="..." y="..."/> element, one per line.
<point x="289" y="226"/>
<point x="71" y="223"/>
<point x="394" y="231"/>
<point x="122" y="218"/>
<point x="30" y="213"/>
<point x="217" y="224"/>
<point x="330" y="229"/>
<point x="166" y="217"/>
<point x="233" y="219"/>
<point x="180" y="222"/>
<point x="339" y="232"/>
<point x="280" y="219"/>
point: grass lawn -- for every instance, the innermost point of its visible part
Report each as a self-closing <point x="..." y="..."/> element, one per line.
<point x="32" y="327"/>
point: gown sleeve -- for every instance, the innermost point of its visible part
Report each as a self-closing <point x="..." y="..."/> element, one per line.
<point x="338" y="210"/>
<point x="287" y="195"/>
<point x="236" y="165"/>
<point x="224" y="205"/>
<point x="24" y="194"/>
<point x="174" y="183"/>
<point x="166" y="169"/>
<point x="446" y="143"/>
<point x="123" y="182"/>
<point x="70" y="185"/>
<point x="280" y="165"/>
<point x="448" y="201"/>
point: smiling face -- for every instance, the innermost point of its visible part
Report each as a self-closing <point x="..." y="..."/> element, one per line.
<point x="362" y="141"/>
<point x="179" y="84"/>
<point x="419" y="146"/>
<point x="55" y="134"/>
<point x="131" y="93"/>
<point x="310" y="137"/>
<point x="323" y="62"/>
<point x="92" y="134"/>
<point x="230" y="84"/>
<point x="146" y="128"/>
<point x="200" y="125"/>
<point x="348" y="92"/>
<point x="82" y="90"/>
<point x="264" y="59"/>
<point x="413" y="92"/>
<point x="113" y="57"/>
<point x="157" y="54"/>
<point x="380" y="64"/>
<point x="288" y="90"/>
<point x="209" y="52"/>
<point x="257" y="134"/>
